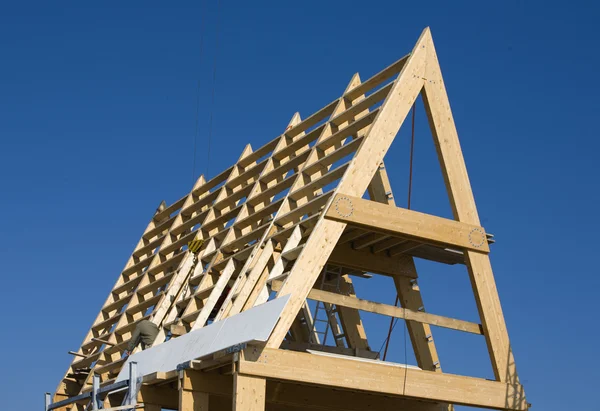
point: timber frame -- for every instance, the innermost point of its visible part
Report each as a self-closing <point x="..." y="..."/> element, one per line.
<point x="291" y="219"/>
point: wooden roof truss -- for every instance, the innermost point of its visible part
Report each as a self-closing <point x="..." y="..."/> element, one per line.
<point x="283" y="220"/>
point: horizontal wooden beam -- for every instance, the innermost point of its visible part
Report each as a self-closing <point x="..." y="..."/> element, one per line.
<point x="382" y="378"/>
<point x="295" y="395"/>
<point x="307" y="397"/>
<point x="389" y="310"/>
<point x="387" y="219"/>
<point x="364" y="260"/>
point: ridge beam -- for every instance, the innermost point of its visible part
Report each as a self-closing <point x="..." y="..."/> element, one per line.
<point x="390" y="220"/>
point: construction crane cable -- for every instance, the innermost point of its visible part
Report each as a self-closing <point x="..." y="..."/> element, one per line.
<point x="393" y="321"/>
<point x="214" y="81"/>
<point x="202" y="10"/>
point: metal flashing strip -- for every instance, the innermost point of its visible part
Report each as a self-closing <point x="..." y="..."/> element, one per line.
<point x="253" y="325"/>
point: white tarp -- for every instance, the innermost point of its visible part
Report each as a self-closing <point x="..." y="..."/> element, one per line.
<point x="253" y="325"/>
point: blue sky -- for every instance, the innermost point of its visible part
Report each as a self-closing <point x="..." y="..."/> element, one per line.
<point x="97" y="119"/>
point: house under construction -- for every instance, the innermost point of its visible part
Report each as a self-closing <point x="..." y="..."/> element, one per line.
<point x="227" y="271"/>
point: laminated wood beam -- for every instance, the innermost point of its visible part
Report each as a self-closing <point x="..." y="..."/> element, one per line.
<point x="248" y="393"/>
<point x="387" y="219"/>
<point x="307" y="397"/>
<point x="389" y="310"/>
<point x="463" y="205"/>
<point x="299" y="397"/>
<point x="382" y="378"/>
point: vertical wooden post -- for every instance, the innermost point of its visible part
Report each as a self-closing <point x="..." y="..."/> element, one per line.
<point x="190" y="400"/>
<point x="356" y="337"/>
<point x="248" y="393"/>
<point x="153" y="407"/>
<point x="380" y="190"/>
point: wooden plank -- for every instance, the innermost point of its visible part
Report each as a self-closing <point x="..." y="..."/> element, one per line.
<point x="211" y="301"/>
<point x="389" y="310"/>
<point x="387" y="219"/>
<point x="248" y="393"/>
<point x="462" y="201"/>
<point x="293" y="396"/>
<point x="384" y="378"/>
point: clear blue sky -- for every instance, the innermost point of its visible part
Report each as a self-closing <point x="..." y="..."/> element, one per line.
<point x="97" y="117"/>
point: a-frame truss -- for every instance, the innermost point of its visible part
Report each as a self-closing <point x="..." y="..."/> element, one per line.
<point x="282" y="221"/>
